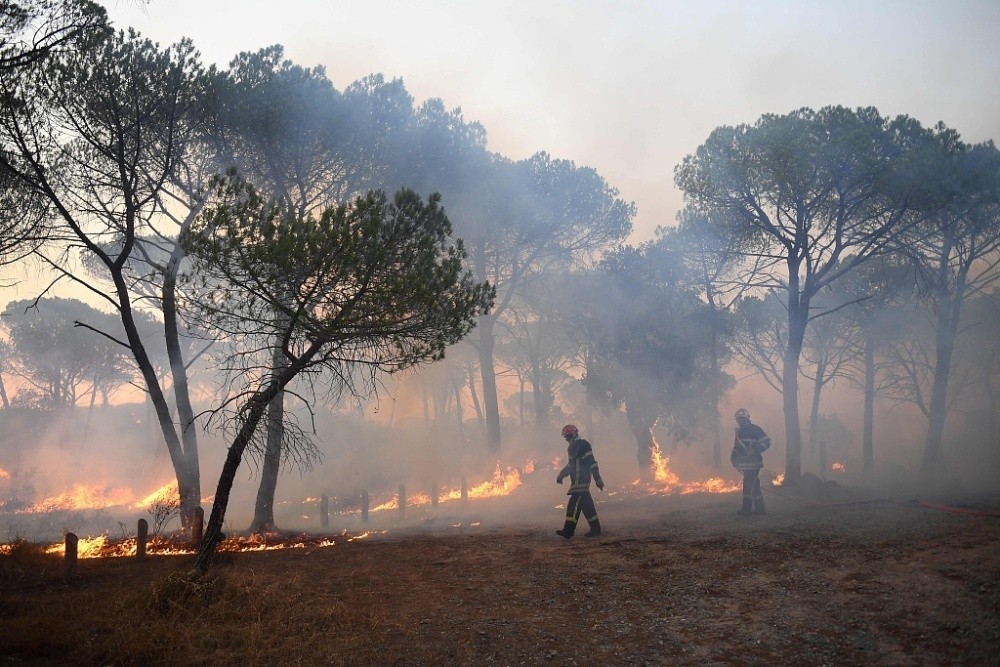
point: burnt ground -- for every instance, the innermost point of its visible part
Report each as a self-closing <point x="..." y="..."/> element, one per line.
<point x="677" y="580"/>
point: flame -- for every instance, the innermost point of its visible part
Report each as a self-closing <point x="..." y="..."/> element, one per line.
<point x="86" y="547"/>
<point x="4" y="474"/>
<point x="502" y="483"/>
<point x="82" y="497"/>
<point x="838" y="466"/>
<point x="166" y="494"/>
<point x="101" y="547"/>
<point x="388" y="505"/>
<point x="92" y="497"/>
<point x="778" y="479"/>
<point x="666" y="480"/>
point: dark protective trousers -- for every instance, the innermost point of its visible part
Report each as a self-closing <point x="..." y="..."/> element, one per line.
<point x="752" y="495"/>
<point x="580" y="503"/>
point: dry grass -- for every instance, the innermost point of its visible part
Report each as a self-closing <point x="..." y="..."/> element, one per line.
<point x="688" y="583"/>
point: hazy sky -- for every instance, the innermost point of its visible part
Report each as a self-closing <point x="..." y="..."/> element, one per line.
<point x="626" y="87"/>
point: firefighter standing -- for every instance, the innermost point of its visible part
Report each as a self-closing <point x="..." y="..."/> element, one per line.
<point x="750" y="443"/>
<point x="581" y="467"/>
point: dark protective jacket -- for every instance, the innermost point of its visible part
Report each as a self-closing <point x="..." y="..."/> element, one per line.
<point x="748" y="445"/>
<point x="582" y="466"/>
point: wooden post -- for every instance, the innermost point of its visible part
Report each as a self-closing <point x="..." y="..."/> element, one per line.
<point x="402" y="500"/>
<point x="465" y="491"/>
<point x="69" y="565"/>
<point x="141" y="535"/>
<point x="364" y="507"/>
<point x="324" y="511"/>
<point x="197" y="526"/>
<point x="434" y="493"/>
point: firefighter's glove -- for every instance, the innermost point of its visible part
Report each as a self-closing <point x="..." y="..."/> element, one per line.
<point x="559" y="479"/>
<point x="600" y="484"/>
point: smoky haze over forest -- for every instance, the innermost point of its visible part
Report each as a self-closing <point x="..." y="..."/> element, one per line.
<point x="273" y="289"/>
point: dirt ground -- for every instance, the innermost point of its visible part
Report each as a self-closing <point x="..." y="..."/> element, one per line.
<point x="675" y="580"/>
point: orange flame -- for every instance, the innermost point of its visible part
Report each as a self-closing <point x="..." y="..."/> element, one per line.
<point x="666" y="480"/>
<point x="167" y="493"/>
<point x="4" y="474"/>
<point x="82" y="497"/>
<point x="502" y="483"/>
<point x="101" y="547"/>
<point x="838" y="466"/>
<point x="86" y="547"/>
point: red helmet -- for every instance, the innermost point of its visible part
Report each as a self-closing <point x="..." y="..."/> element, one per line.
<point x="569" y="429"/>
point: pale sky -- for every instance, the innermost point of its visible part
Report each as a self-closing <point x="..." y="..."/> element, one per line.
<point x="626" y="87"/>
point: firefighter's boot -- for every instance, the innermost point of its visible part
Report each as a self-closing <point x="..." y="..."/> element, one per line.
<point x="747" y="507"/>
<point x="567" y="530"/>
<point x="595" y="528"/>
<point x="758" y="505"/>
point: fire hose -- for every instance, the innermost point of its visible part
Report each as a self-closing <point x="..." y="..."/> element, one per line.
<point x="915" y="502"/>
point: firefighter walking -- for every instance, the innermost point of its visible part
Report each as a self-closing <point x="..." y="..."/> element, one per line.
<point x="749" y="444"/>
<point x="582" y="466"/>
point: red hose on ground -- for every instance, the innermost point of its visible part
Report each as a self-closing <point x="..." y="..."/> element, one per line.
<point x="918" y="503"/>
<point x="956" y="510"/>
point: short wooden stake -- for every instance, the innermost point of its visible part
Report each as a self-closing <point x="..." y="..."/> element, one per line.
<point x="141" y="536"/>
<point x="69" y="565"/>
<point x="402" y="500"/>
<point x="324" y="511"/>
<point x="364" y="507"/>
<point x="197" y="526"/>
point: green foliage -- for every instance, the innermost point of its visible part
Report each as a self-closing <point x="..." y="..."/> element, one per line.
<point x="59" y="357"/>
<point x="375" y="282"/>
<point x="647" y="335"/>
<point x="31" y="30"/>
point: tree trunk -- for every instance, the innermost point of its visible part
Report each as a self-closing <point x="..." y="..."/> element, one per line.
<point x="715" y="430"/>
<point x="459" y="413"/>
<point x="252" y="416"/>
<point x="213" y="530"/>
<point x="188" y="468"/>
<point x="263" y="517"/>
<point x="188" y="481"/>
<point x="641" y="424"/>
<point x="814" y="406"/>
<point x="3" y="394"/>
<point x="715" y="368"/>
<point x="475" y="400"/>
<point x="868" y="429"/>
<point x="947" y="327"/>
<point x="488" y="373"/>
<point x="798" y="313"/>
<point x="520" y="401"/>
<point x="542" y="395"/>
<point x="992" y="406"/>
